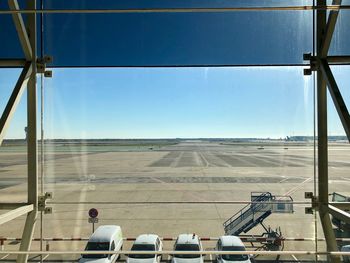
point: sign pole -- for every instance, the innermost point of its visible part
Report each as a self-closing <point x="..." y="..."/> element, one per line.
<point x="93" y="213"/>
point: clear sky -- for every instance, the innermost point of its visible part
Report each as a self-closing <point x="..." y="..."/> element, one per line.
<point x="175" y="102"/>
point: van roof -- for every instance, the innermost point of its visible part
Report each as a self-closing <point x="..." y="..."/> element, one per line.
<point x="104" y="233"/>
<point x="146" y="239"/>
<point x="188" y="239"/>
<point x="231" y="241"/>
<point x="345" y="248"/>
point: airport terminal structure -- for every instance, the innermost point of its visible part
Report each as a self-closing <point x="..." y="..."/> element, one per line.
<point x="174" y="131"/>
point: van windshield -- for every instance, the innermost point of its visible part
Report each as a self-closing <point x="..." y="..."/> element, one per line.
<point x="142" y="247"/>
<point x="97" y="246"/>
<point x="187" y="247"/>
<point x="234" y="257"/>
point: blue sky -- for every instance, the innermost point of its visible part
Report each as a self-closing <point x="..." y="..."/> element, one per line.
<point x="175" y="102"/>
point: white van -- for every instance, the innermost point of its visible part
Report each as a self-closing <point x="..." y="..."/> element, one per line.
<point x="346" y="248"/>
<point x="146" y="242"/>
<point x="187" y="242"/>
<point x="231" y="243"/>
<point x="108" y="237"/>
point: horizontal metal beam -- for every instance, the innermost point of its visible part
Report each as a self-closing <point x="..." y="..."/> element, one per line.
<point x="173" y="202"/>
<point x="332" y="60"/>
<point x="8" y="216"/>
<point x="244" y="238"/>
<point x="341" y="205"/>
<point x="8" y="63"/>
<point x="176" y="10"/>
<point x="173" y="252"/>
<point x="339" y="214"/>
<point x="9" y="206"/>
<point x="14" y="100"/>
<point x="338" y="59"/>
<point x="336" y="96"/>
<point x="21" y="29"/>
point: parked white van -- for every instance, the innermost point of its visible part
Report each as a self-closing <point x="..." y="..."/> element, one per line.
<point x="146" y="242"/>
<point x="108" y="237"/>
<point x="187" y="242"/>
<point x="231" y="243"/>
<point x="346" y="248"/>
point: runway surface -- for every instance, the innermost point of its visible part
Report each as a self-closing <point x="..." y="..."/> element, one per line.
<point x="186" y="172"/>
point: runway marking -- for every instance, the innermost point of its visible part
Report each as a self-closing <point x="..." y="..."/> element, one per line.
<point x="294" y="189"/>
<point x="260" y="159"/>
<point x="240" y="159"/>
<point x="176" y="161"/>
<point x="4" y="256"/>
<point x="237" y="161"/>
<point x="172" y="187"/>
<point x="204" y="159"/>
<point x="284" y="161"/>
<point x="199" y="159"/>
<point x="346" y="179"/>
<point x="285" y="179"/>
<point x="279" y="160"/>
<point x="215" y="161"/>
<point x="295" y="258"/>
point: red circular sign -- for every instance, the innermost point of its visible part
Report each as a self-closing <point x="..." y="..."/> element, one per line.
<point x="93" y="212"/>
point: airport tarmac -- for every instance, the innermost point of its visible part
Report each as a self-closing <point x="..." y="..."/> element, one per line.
<point x="125" y="186"/>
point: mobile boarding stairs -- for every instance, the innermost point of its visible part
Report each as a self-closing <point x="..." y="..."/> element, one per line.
<point x="342" y="229"/>
<point x="262" y="205"/>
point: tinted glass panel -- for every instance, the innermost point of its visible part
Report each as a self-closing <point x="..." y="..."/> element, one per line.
<point x="341" y="37"/>
<point x="9" y="43"/>
<point x="254" y="37"/>
<point x="10" y="46"/>
<point x="178" y="39"/>
<point x="109" y="4"/>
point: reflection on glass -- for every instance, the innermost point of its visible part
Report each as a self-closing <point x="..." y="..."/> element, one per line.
<point x="142" y="247"/>
<point x="129" y="138"/>
<point x="103" y="246"/>
<point x="186" y="247"/>
<point x="234" y="257"/>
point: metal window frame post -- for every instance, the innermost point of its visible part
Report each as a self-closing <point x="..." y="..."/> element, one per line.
<point x="31" y="140"/>
<point x="27" y="34"/>
<point x="324" y="32"/>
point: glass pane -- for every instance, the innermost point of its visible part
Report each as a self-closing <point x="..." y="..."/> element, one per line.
<point x="163" y="39"/>
<point x="110" y="4"/>
<point x="339" y="150"/>
<point x="13" y="151"/>
<point x="10" y="45"/>
<point x="339" y="146"/>
<point x="341" y="37"/>
<point x="13" y="158"/>
<point x="169" y="150"/>
<point x="124" y="139"/>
